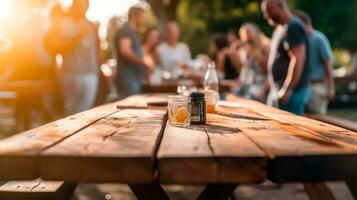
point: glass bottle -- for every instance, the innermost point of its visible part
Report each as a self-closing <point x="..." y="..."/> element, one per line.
<point x="211" y="88"/>
<point x="211" y="81"/>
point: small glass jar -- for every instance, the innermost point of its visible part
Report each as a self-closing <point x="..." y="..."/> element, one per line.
<point x="179" y="109"/>
<point x="198" y="108"/>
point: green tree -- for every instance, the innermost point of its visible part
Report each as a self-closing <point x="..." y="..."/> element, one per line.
<point x="165" y="10"/>
<point x="337" y="19"/>
<point x="200" y="19"/>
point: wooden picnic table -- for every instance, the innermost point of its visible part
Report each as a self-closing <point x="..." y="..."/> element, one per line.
<point x="131" y="142"/>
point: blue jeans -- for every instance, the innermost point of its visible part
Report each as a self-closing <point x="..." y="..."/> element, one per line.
<point x="129" y="81"/>
<point x="297" y="101"/>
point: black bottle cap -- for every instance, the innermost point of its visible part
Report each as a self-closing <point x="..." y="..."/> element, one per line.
<point x="197" y="95"/>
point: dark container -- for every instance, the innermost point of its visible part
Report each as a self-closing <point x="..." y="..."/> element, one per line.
<point x="198" y="108"/>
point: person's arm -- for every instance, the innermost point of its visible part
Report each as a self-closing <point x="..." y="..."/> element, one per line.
<point x="234" y="54"/>
<point x="330" y="80"/>
<point x="296" y="40"/>
<point x="297" y="56"/>
<point x="100" y="56"/>
<point x="219" y="61"/>
<point x="261" y="55"/>
<point x="326" y="55"/>
<point x="124" y="48"/>
<point x="56" y="41"/>
<point x="187" y="56"/>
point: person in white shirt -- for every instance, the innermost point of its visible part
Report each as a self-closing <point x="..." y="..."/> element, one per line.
<point x="174" y="55"/>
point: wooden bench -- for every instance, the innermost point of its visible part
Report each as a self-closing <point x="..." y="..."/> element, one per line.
<point x="28" y="95"/>
<point x="36" y="190"/>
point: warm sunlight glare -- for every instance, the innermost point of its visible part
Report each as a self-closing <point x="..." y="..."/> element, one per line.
<point x="102" y="10"/>
<point x="5" y="7"/>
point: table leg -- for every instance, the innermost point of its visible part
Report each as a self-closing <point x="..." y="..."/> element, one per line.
<point x="67" y="191"/>
<point x="318" y="191"/>
<point x="217" y="192"/>
<point x="151" y="191"/>
<point x="352" y="185"/>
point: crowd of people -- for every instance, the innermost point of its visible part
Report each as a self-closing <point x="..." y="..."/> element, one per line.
<point x="291" y="70"/>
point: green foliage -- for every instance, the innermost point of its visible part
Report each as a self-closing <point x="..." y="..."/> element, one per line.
<point x="200" y="19"/>
<point x="336" y="18"/>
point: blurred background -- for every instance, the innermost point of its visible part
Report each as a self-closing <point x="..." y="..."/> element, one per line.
<point x="198" y="19"/>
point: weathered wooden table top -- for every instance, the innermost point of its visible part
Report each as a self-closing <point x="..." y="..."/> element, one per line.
<point x="129" y="142"/>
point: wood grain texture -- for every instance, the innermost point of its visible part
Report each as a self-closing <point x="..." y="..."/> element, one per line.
<point x="343" y="123"/>
<point x="36" y="190"/>
<point x="301" y="149"/>
<point x="19" y="153"/>
<point x="216" y="153"/>
<point x="118" y="148"/>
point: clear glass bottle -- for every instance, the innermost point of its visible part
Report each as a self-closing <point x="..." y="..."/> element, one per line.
<point x="211" y="86"/>
<point x="211" y="81"/>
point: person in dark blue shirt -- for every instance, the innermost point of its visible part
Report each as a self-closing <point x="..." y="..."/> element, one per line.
<point x="322" y="82"/>
<point x="131" y="67"/>
<point x="288" y="63"/>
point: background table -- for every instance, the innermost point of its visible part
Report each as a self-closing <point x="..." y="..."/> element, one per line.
<point x="170" y="86"/>
<point x="133" y="144"/>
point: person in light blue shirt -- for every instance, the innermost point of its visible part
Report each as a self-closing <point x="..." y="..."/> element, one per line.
<point x="321" y="59"/>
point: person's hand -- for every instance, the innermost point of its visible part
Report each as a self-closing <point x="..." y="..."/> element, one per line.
<point x="284" y="96"/>
<point x="222" y="55"/>
<point x="331" y="94"/>
<point x="184" y="66"/>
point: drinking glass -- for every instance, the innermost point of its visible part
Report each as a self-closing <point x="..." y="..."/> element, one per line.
<point x="179" y="109"/>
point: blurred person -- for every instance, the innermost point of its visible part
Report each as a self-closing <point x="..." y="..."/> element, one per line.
<point x="174" y="55"/>
<point x="232" y="37"/>
<point x="80" y="68"/>
<point x="288" y="63"/>
<point x="219" y="50"/>
<point x="28" y="16"/>
<point x="252" y="57"/>
<point x="131" y="66"/>
<point x="5" y="46"/>
<point x="321" y="57"/>
<point x="151" y="40"/>
<point x="30" y="61"/>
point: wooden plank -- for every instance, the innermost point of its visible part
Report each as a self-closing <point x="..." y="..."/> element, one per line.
<point x="36" y="190"/>
<point x="343" y="123"/>
<point x="118" y="148"/>
<point x="18" y="154"/>
<point x="216" y="153"/>
<point x="334" y="134"/>
<point x="301" y="149"/>
<point x="141" y="101"/>
<point x="318" y="191"/>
